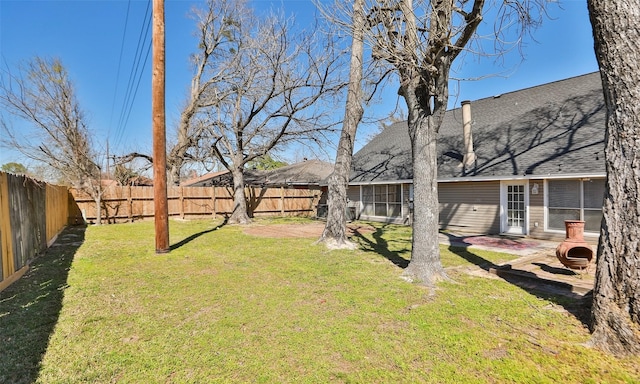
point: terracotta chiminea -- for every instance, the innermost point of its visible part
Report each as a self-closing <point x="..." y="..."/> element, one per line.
<point x="574" y="252"/>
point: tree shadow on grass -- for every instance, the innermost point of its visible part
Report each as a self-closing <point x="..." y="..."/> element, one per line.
<point x="558" y="293"/>
<point x="196" y="235"/>
<point x="381" y="246"/>
<point x="30" y="308"/>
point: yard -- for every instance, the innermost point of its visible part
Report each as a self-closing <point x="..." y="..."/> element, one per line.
<point x="228" y="306"/>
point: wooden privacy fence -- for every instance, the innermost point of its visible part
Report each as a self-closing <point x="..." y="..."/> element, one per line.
<point x="120" y="204"/>
<point x="32" y="213"/>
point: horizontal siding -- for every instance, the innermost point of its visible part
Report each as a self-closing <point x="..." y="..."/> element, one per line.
<point x="474" y="207"/>
<point x="406" y="210"/>
<point x="353" y="194"/>
<point x="465" y="206"/>
<point x="470" y="206"/>
<point x="536" y="209"/>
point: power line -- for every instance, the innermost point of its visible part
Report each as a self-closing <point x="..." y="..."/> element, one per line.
<point x="115" y="92"/>
<point x="135" y="92"/>
<point x="135" y="74"/>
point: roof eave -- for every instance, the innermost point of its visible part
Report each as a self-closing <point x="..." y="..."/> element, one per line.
<point x="490" y="178"/>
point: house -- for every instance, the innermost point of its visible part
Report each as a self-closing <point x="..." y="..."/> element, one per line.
<point x="308" y="174"/>
<point x="219" y="178"/>
<point x="518" y="163"/>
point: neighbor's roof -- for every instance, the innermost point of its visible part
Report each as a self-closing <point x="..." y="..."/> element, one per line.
<point x="204" y="180"/>
<point x="305" y="172"/>
<point x="551" y="129"/>
<point x="308" y="172"/>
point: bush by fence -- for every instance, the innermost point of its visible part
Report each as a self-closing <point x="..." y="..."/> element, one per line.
<point x="120" y="204"/>
<point x="32" y="213"/>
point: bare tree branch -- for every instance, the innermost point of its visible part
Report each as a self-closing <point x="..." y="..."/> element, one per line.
<point x="260" y="84"/>
<point x="42" y="96"/>
<point x="419" y="40"/>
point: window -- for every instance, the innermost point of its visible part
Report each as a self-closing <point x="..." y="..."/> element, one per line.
<point x="367" y="200"/>
<point x="382" y="200"/>
<point x="575" y="200"/>
<point x="592" y="206"/>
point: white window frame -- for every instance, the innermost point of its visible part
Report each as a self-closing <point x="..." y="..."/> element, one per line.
<point x="362" y="205"/>
<point x="546" y="207"/>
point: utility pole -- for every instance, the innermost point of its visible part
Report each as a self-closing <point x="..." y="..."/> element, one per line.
<point x="161" y="211"/>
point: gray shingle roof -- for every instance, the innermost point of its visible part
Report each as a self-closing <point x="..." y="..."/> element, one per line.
<point x="308" y="172"/>
<point x="552" y="129"/>
<point x="305" y="172"/>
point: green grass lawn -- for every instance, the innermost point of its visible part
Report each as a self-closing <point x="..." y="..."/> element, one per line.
<point x="223" y="307"/>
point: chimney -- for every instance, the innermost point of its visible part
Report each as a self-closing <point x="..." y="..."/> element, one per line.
<point x="469" y="156"/>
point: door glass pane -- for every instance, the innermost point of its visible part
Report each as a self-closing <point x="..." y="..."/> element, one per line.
<point x="515" y="207"/>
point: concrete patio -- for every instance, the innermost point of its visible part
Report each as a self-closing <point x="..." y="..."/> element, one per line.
<point x="536" y="268"/>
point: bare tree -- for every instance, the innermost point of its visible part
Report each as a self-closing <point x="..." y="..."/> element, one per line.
<point x="215" y="32"/>
<point x="42" y="95"/>
<point x="615" y="314"/>
<point x="421" y="39"/>
<point x="261" y="86"/>
<point x="334" y="234"/>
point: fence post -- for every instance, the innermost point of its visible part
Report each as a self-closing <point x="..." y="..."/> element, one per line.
<point x="213" y="199"/>
<point x="6" y="238"/>
<point x="248" y="198"/>
<point x="181" y="202"/>
<point x="129" y="203"/>
<point x="281" y="201"/>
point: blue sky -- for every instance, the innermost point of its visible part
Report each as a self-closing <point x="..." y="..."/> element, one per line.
<point x="89" y="36"/>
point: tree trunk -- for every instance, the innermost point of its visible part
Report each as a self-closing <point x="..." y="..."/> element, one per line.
<point x="175" y="166"/>
<point x="615" y="315"/>
<point x="239" y="214"/>
<point x="98" y="201"/>
<point x="425" y="266"/>
<point x="335" y="232"/>
<point x="186" y="138"/>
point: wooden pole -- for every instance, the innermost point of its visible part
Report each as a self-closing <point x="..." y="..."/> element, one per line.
<point x="161" y="211"/>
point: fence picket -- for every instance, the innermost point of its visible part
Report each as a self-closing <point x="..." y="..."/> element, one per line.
<point x="193" y="202"/>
